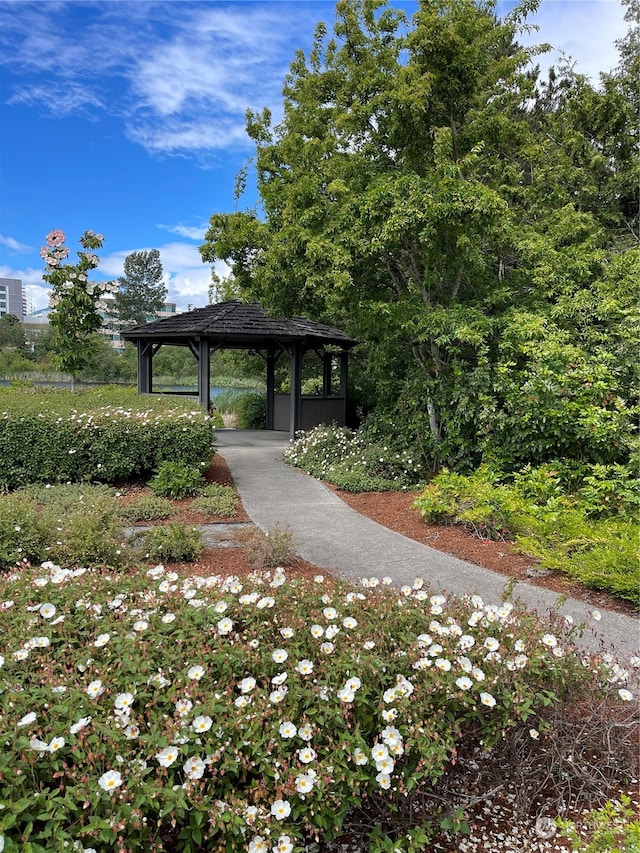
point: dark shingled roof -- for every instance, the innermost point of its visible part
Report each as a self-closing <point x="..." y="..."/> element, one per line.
<point x="237" y="324"/>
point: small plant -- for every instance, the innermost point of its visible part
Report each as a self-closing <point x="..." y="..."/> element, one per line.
<point x="147" y="508"/>
<point x="614" y="828"/>
<point x="176" y="480"/>
<point x="221" y="502"/>
<point x="275" y="548"/>
<point x="173" y="543"/>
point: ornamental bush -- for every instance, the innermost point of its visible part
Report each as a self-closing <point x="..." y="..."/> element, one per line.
<point x="54" y="438"/>
<point x="351" y="461"/>
<point x="149" y="711"/>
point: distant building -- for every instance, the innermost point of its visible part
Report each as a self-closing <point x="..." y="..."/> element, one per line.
<point x="109" y="325"/>
<point x="12" y="298"/>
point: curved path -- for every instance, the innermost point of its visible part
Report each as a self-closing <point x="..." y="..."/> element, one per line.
<point x="331" y="535"/>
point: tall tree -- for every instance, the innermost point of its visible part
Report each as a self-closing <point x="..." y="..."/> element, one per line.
<point x="141" y="290"/>
<point x="11" y="332"/>
<point x="409" y="194"/>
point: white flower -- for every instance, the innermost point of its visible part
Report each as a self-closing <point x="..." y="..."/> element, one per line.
<point x="123" y="701"/>
<point x="201" y="723"/>
<point x="81" y="724"/>
<point x="140" y="625"/>
<point x="317" y="631"/>
<point x="345" y="695"/>
<point x="102" y="640"/>
<point x="167" y="618"/>
<point x="243" y="701"/>
<point x="131" y="732"/>
<point x="464" y="683"/>
<point x="47" y="611"/>
<point x="110" y="780"/>
<point x="276" y="696"/>
<point x="183" y="707"/>
<point x="266" y="602"/>
<point x="95" y="688"/>
<point x="326" y="648"/>
<point x="443" y="664"/>
<point x="625" y="695"/>
<point x="487" y="699"/>
<point x="281" y="809"/>
<point x="167" y="756"/>
<point x="305" y="732"/>
<point x="332" y="631"/>
<point x="225" y="626"/>
<point x="595" y="614"/>
<point x="389" y="715"/>
<point x="27" y="719"/>
<point x="492" y="644"/>
<point x="56" y="744"/>
<point x="287" y="729"/>
<point x="384" y="780"/>
<point x="220" y="606"/>
<point x="307" y="755"/>
<point x="349" y="622"/>
<point x="385" y="765"/>
<point x="287" y="633"/>
<point x="194" y="767"/>
<point x="247" y="685"/>
<point x="549" y="640"/>
<point x="305" y="783"/>
<point x="284" y="845"/>
<point x="360" y="757"/>
<point x="257" y="845"/>
<point x="477" y="673"/>
<point x="330" y="613"/>
<point x="534" y="734"/>
<point x="196" y="672"/>
<point x="304" y="667"/>
<point x="280" y="655"/>
<point x="279" y="679"/>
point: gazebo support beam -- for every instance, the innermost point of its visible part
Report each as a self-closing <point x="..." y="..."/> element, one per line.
<point x="145" y="372"/>
<point x="204" y="374"/>
<point x="296" y="389"/>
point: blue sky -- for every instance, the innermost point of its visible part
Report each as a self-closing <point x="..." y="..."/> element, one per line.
<point x="127" y="118"/>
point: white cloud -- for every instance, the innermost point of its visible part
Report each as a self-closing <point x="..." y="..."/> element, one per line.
<point x="191" y="232"/>
<point x="14" y="245"/>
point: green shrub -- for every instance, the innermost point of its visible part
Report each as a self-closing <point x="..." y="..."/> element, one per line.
<point x="204" y="714"/>
<point x="173" y="543"/>
<point x="22" y="533"/>
<point x="274" y="548"/>
<point x="250" y="409"/>
<point x="50" y="437"/>
<point x="556" y="528"/>
<point x="90" y="536"/>
<point x="614" y="828"/>
<point x="351" y="462"/>
<point x="176" y="480"/>
<point x="147" y="508"/>
<point x="223" y="504"/>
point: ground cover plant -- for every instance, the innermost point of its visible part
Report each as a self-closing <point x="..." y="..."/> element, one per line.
<point x="144" y="710"/>
<point x="106" y="435"/>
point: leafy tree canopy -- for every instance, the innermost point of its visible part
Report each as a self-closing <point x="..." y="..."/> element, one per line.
<point x="429" y="192"/>
<point x="141" y="290"/>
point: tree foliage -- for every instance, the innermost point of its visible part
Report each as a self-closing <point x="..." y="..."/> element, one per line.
<point x="74" y="299"/>
<point x="471" y="223"/>
<point x="141" y="290"/>
<point x="11" y="332"/>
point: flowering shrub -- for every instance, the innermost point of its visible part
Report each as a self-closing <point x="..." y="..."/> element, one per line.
<point x="351" y="462"/>
<point x="106" y="443"/>
<point x="74" y="299"/>
<point x="153" y="712"/>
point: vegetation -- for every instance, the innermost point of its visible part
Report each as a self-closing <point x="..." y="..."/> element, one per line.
<point x="475" y="226"/>
<point x="191" y="713"/>
<point x="52" y="436"/>
<point x="176" y="480"/>
<point x="141" y="291"/>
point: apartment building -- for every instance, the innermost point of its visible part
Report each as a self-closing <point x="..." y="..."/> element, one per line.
<point x="12" y="298"/>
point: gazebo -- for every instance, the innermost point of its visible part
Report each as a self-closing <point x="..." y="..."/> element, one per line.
<point x="244" y="325"/>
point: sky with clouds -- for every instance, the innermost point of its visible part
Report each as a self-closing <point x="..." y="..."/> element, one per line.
<point x="127" y="117"/>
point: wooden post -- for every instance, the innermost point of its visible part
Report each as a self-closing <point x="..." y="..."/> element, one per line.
<point x="327" y="361"/>
<point x="271" y="384"/>
<point x="296" y="389"/>
<point x="145" y="367"/>
<point x="344" y="374"/>
<point x="204" y="374"/>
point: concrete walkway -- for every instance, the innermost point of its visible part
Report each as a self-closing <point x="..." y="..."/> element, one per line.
<point x="332" y="536"/>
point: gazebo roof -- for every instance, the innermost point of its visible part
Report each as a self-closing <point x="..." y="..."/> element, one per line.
<point x="237" y="324"/>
